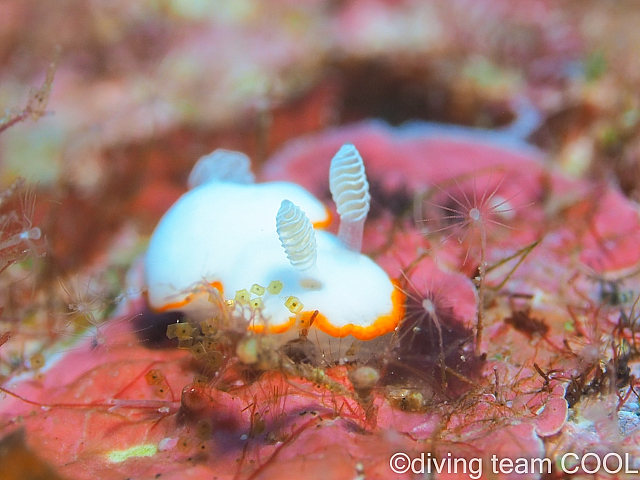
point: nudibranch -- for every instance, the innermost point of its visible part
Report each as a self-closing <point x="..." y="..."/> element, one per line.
<point x="264" y="248"/>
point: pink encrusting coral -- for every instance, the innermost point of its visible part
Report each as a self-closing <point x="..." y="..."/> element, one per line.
<point x="548" y="230"/>
<point x="414" y="156"/>
<point x="551" y="338"/>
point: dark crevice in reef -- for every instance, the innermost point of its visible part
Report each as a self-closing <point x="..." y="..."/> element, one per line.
<point x="398" y="201"/>
<point x="401" y="90"/>
<point x="151" y="327"/>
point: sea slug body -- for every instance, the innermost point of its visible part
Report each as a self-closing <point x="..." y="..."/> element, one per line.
<point x="231" y="236"/>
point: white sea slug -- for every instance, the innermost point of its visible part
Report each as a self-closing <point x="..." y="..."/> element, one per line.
<point x="350" y="191"/>
<point x="231" y="237"/>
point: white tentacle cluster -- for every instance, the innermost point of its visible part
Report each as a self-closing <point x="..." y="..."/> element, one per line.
<point x="350" y="191"/>
<point x="221" y="166"/>
<point x="297" y="236"/>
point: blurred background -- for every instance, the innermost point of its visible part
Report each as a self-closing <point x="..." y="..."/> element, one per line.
<point x="142" y="90"/>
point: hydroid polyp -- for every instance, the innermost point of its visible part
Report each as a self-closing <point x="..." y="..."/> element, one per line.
<point x="459" y="208"/>
<point x="434" y="342"/>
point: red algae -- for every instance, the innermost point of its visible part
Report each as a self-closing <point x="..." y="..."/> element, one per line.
<point x="117" y="394"/>
<point x="548" y="333"/>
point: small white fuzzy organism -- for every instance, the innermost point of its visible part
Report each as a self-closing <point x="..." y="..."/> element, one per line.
<point x="350" y="191"/>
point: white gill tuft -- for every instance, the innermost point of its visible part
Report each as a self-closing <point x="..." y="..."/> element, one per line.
<point x="350" y="191"/>
<point x="221" y="166"/>
<point x="296" y="235"/>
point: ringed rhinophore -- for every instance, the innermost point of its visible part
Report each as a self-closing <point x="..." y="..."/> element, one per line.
<point x="263" y="246"/>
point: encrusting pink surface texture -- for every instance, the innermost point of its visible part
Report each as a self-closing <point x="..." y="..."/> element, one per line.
<point x="97" y="400"/>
